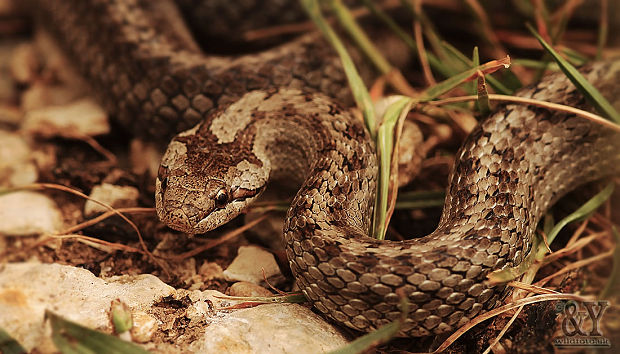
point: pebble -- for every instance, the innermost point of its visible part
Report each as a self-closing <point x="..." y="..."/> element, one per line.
<point x="16" y="165"/>
<point x="243" y="288"/>
<point x="249" y="264"/>
<point x="26" y="213"/>
<point x="112" y="195"/>
<point x="270" y="328"/>
<point x="80" y="118"/>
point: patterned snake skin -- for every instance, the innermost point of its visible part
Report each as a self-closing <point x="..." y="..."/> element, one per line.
<point x="150" y="73"/>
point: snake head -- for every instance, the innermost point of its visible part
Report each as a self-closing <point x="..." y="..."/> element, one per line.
<point x="198" y="192"/>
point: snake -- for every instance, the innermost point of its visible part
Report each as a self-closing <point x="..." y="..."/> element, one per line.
<point x="276" y="116"/>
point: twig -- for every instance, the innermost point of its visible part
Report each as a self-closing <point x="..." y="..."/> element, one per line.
<point x="530" y="101"/>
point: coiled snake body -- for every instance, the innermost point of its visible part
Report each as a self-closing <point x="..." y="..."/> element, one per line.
<point x="272" y="124"/>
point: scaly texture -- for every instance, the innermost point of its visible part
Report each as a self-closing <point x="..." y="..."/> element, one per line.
<point x="147" y="70"/>
<point x="511" y="168"/>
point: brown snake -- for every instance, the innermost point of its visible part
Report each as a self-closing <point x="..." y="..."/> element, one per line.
<point x="271" y="124"/>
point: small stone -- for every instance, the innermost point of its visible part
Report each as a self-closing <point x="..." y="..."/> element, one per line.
<point x="112" y="195"/>
<point x="210" y="270"/>
<point x="24" y="64"/>
<point x="75" y="120"/>
<point x="27" y="213"/>
<point x="16" y="165"/>
<point x="249" y="264"/>
<point x="41" y="95"/>
<point x="269" y="328"/>
<point x="243" y="288"/>
<point x="144" y="327"/>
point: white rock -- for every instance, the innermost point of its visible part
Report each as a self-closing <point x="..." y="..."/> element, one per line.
<point x="112" y="195"/>
<point x="24" y="63"/>
<point x="75" y="120"/>
<point x="16" y="165"/>
<point x="144" y="327"/>
<point x="249" y="264"/>
<point x="27" y="213"/>
<point x="27" y="290"/>
<point x="201" y="324"/>
<point x="244" y="288"/>
<point x="271" y="328"/>
<point x="41" y="95"/>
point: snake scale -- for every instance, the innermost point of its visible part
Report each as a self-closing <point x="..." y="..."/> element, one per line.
<point x="261" y="117"/>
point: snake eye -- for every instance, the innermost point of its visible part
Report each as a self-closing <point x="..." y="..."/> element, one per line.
<point x="221" y="198"/>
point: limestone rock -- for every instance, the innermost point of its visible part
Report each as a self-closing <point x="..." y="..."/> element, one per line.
<point x="27" y="213"/>
<point x="249" y="264"/>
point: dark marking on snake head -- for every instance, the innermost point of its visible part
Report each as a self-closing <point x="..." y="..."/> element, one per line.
<point x="241" y="194"/>
<point x="289" y="110"/>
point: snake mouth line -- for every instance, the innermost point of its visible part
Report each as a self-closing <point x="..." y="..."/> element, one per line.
<point x="218" y="216"/>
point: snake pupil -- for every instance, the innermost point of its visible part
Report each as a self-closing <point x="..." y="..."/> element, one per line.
<point x="221" y="198"/>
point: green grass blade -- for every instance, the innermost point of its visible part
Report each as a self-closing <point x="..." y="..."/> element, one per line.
<point x="454" y="81"/>
<point x="499" y="86"/>
<point x="436" y="64"/>
<point x="72" y="338"/>
<point x="404" y="36"/>
<point x="574" y="57"/>
<point x="590" y="92"/>
<point x="461" y="60"/>
<point x="360" y="93"/>
<point x="583" y="212"/>
<point x="385" y="145"/>
<point x="122" y="319"/>
<point x="8" y="345"/>
<point x="548" y="223"/>
<point x="347" y="21"/>
<point x="475" y="61"/>
<point x="431" y="33"/>
<point x="535" y="64"/>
